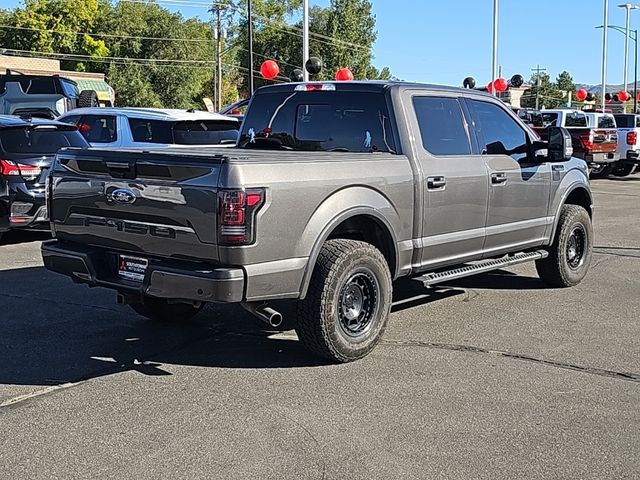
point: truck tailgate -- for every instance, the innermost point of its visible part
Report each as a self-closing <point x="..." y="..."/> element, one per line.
<point x="154" y="202"/>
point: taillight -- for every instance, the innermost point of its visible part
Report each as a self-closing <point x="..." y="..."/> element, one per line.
<point x="587" y="141"/>
<point x="632" y="138"/>
<point x="236" y="215"/>
<point x="7" y="167"/>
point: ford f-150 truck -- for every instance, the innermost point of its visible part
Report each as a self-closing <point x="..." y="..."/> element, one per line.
<point x="334" y="191"/>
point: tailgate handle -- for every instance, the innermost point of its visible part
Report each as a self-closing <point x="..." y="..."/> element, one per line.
<point x="122" y="169"/>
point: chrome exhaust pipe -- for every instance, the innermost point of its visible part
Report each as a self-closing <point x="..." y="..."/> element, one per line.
<point x="264" y="313"/>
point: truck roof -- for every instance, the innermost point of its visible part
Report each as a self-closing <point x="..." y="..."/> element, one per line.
<point x="372" y="86"/>
<point x="153" y="113"/>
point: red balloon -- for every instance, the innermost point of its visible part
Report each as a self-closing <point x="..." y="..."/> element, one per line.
<point x="490" y="87"/>
<point x="623" y="96"/>
<point x="500" y="84"/>
<point x="269" y="69"/>
<point x="344" y="74"/>
<point x="638" y="95"/>
<point x="581" y="94"/>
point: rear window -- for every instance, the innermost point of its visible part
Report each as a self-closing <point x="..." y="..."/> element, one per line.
<point x="625" y="121"/>
<point x="319" y="121"/>
<point x="192" y="132"/>
<point x="606" y="122"/>
<point x="39" y="140"/>
<point x="575" y="120"/>
<point x="545" y="119"/>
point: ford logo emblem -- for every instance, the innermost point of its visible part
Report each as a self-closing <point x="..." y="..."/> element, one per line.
<point x="122" y="195"/>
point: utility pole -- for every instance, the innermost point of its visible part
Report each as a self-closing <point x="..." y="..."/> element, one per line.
<point x="305" y="39"/>
<point x="605" y="40"/>
<point x="538" y="70"/>
<point x="250" y="24"/>
<point x="219" y="35"/>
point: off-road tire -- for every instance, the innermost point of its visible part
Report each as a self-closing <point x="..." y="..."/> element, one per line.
<point x="160" y="310"/>
<point x="557" y="270"/>
<point x="320" y="316"/>
<point x="604" y="173"/>
<point x="88" y="98"/>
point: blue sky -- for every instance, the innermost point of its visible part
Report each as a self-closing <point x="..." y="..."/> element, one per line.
<point x="442" y="41"/>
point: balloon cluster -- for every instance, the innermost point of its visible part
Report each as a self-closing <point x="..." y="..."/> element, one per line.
<point x="498" y="85"/>
<point x="270" y="70"/>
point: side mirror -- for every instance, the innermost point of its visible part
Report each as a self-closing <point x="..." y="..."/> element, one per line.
<point x="559" y="147"/>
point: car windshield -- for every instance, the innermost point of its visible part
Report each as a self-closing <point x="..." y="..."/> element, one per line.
<point x="318" y="121"/>
<point x="41" y="140"/>
<point x="625" y="121"/>
<point x="190" y="132"/>
<point x="606" y="121"/>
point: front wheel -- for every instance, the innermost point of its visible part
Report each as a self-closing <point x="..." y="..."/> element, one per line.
<point x="570" y="254"/>
<point x="347" y="306"/>
<point x="162" y="310"/>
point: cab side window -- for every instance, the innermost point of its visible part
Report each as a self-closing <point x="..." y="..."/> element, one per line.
<point x="98" y="128"/>
<point x="442" y="125"/>
<point x="499" y="133"/>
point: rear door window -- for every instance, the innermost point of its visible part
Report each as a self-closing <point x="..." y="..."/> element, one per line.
<point x="442" y="126"/>
<point x="150" y="131"/>
<point x="98" y="128"/>
<point x="205" y="132"/>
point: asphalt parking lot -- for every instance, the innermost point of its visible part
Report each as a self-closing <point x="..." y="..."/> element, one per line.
<point x="490" y="377"/>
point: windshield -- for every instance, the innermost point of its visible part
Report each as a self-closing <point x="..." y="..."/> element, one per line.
<point x="318" y="121"/>
<point x="39" y="140"/>
<point x="190" y="132"/>
<point x="625" y="121"/>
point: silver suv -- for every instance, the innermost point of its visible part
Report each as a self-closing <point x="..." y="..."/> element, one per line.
<point x="152" y="127"/>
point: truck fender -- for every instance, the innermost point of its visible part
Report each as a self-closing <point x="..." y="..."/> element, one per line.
<point x="570" y="186"/>
<point x="340" y="206"/>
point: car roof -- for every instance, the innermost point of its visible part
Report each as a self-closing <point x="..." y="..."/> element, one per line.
<point x="170" y="114"/>
<point x="7" y="121"/>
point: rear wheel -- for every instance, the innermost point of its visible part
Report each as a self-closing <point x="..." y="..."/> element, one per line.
<point x="347" y="306"/>
<point x="600" y="170"/>
<point x="162" y="310"/>
<point x="570" y="254"/>
<point x="623" y="170"/>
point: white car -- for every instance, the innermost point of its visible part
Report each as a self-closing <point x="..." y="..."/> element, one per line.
<point x="153" y="127"/>
<point x="628" y="143"/>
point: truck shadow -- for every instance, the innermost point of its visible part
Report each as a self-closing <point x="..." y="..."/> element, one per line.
<point x="16" y="237"/>
<point x="54" y="332"/>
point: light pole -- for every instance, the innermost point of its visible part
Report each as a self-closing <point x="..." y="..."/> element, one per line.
<point x="605" y="32"/>
<point x="628" y="7"/>
<point x="635" y="75"/>
<point x="305" y="39"/>
<point x="494" y="59"/>
<point x="250" y="25"/>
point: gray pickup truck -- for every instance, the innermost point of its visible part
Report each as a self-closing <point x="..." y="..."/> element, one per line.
<point x="334" y="191"/>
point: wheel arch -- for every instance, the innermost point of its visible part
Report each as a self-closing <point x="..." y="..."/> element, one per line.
<point x="577" y="194"/>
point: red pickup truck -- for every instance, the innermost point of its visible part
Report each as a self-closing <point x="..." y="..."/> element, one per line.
<point x="593" y="134"/>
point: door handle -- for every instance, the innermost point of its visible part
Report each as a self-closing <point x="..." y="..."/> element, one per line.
<point x="436" y="182"/>
<point x="497" y="178"/>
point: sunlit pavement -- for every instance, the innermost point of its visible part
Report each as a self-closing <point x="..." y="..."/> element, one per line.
<point x="489" y="377"/>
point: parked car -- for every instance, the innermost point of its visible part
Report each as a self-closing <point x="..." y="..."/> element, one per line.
<point x="628" y="143"/>
<point x="152" y="127"/>
<point x="593" y="138"/>
<point x="236" y="109"/>
<point x="27" y="149"/>
<point x="335" y="190"/>
<point x="42" y="96"/>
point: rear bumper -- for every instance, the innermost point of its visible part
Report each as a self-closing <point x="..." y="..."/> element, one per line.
<point x="631" y="156"/>
<point x="602" y="157"/>
<point x="163" y="278"/>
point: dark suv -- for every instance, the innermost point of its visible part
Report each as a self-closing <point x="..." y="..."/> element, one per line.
<point x="27" y="148"/>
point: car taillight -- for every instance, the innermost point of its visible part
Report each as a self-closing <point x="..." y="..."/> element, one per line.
<point x="236" y="215"/>
<point x="587" y="140"/>
<point x="7" y="167"/>
<point x="632" y="138"/>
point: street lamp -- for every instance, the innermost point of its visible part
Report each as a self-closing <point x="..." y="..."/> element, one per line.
<point x="305" y="39"/>
<point x="628" y="7"/>
<point x="605" y="32"/>
<point x="633" y="37"/>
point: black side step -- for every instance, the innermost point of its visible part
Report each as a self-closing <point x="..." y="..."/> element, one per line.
<point x="429" y="279"/>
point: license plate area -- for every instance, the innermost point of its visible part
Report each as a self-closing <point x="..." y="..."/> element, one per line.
<point x="132" y="268"/>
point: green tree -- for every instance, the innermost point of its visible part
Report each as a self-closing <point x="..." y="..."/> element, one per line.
<point x="564" y="82"/>
<point x="545" y="91"/>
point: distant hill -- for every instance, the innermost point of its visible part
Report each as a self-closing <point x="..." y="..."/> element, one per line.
<point x="610" y="88"/>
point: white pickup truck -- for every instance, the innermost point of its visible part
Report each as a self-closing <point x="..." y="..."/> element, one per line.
<point x="628" y="144"/>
